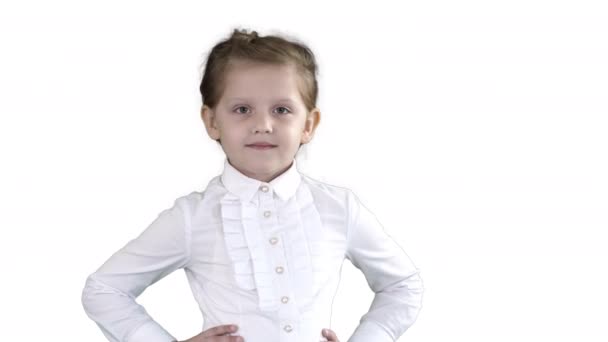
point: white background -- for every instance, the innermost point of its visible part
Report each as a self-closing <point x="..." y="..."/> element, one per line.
<point x="476" y="131"/>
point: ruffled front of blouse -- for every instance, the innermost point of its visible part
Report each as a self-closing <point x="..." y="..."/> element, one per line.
<point x="303" y="228"/>
<point x="247" y="246"/>
<point x="244" y="243"/>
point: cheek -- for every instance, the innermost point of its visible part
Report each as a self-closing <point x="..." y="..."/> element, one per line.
<point x="296" y="131"/>
<point x="289" y="133"/>
<point x="233" y="133"/>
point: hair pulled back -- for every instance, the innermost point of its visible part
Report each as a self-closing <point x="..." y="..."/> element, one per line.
<point x="251" y="47"/>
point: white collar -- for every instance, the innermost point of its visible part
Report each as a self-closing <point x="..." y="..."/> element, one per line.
<point x="284" y="185"/>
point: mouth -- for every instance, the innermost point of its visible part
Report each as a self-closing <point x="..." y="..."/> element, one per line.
<point x="261" y="146"/>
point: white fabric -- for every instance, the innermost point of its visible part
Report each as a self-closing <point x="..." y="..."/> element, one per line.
<point x="222" y="238"/>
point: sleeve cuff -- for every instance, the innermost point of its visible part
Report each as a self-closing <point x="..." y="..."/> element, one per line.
<point x="151" y="332"/>
<point x="370" y="331"/>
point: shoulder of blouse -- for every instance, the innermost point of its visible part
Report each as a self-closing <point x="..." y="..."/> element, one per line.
<point x="338" y="192"/>
<point x="343" y="195"/>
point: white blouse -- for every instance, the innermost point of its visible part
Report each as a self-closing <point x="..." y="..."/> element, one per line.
<point x="264" y="256"/>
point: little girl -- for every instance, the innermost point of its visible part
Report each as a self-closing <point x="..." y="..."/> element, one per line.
<point x="262" y="245"/>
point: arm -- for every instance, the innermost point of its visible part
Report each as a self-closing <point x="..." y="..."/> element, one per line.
<point x="389" y="273"/>
<point x="109" y="294"/>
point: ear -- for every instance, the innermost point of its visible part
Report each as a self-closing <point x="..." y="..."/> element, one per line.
<point x="310" y="125"/>
<point x="210" y="120"/>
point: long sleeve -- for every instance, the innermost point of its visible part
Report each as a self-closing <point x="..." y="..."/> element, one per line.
<point x="109" y="294"/>
<point x="389" y="273"/>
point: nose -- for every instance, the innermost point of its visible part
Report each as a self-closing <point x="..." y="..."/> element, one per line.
<point x="262" y="123"/>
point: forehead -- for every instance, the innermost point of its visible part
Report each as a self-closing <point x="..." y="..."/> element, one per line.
<point x="254" y="80"/>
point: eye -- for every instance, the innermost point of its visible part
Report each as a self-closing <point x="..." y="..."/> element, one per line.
<point x="238" y="109"/>
<point x="286" y="110"/>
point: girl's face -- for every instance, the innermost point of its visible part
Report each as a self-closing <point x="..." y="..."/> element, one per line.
<point x="260" y="104"/>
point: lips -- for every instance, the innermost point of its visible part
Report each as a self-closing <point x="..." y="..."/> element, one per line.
<point x="261" y="145"/>
<point x="257" y="147"/>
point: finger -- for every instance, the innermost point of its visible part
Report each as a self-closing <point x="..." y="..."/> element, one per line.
<point x="220" y="330"/>
<point x="330" y="335"/>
